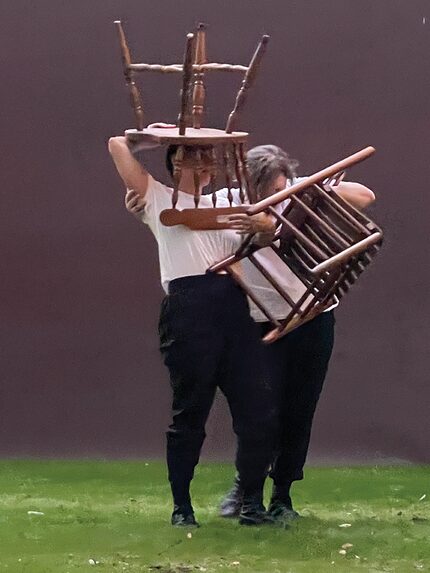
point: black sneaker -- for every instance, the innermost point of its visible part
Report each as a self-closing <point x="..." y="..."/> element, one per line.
<point x="184" y="517"/>
<point x="232" y="503"/>
<point x="253" y="511"/>
<point x="282" y="512"/>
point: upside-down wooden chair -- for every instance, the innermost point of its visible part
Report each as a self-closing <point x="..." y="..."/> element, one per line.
<point x="322" y="239"/>
<point x="224" y="147"/>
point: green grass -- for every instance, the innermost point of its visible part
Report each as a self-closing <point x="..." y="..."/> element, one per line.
<point x="117" y="515"/>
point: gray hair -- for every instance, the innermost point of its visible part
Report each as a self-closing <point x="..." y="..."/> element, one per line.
<point x="265" y="163"/>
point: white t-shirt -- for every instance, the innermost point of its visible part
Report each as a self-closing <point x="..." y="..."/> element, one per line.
<point x="258" y="284"/>
<point x="183" y="252"/>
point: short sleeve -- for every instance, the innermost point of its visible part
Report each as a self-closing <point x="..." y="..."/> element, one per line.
<point x="157" y="198"/>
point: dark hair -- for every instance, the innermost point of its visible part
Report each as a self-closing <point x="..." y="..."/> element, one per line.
<point x="265" y="163"/>
<point x="188" y="149"/>
<point x="170" y="152"/>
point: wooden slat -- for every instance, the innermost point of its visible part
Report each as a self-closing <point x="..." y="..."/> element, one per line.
<point x="347" y="253"/>
<point x="200" y="219"/>
<point x="310" y="245"/>
<point x="320" y="221"/>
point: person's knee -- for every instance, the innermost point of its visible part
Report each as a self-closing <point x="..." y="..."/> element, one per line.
<point x="186" y="433"/>
<point x="270" y="423"/>
<point x="262" y="430"/>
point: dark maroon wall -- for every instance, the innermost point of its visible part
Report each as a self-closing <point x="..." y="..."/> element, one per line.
<point x="81" y="374"/>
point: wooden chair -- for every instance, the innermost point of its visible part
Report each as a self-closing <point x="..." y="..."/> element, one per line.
<point x="225" y="147"/>
<point x="321" y="238"/>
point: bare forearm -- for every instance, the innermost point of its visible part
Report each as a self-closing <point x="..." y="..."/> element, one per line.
<point x="130" y="170"/>
<point x="358" y="195"/>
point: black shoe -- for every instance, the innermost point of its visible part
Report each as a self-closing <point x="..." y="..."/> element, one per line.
<point x="184" y="517"/>
<point x="253" y="511"/>
<point x="282" y="513"/>
<point x="232" y="503"/>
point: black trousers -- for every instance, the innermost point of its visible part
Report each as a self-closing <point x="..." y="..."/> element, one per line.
<point x="297" y="365"/>
<point x="208" y="339"/>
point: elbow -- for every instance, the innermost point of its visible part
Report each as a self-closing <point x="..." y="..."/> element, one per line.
<point x="111" y="144"/>
<point x="367" y="197"/>
<point x="358" y="195"/>
<point x="115" y="143"/>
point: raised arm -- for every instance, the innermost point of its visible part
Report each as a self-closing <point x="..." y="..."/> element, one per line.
<point x="358" y="195"/>
<point x="130" y="170"/>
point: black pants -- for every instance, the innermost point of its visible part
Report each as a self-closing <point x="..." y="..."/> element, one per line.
<point x="208" y="339"/>
<point x="297" y="366"/>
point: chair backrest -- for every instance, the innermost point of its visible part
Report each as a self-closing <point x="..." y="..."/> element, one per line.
<point x="321" y="238"/>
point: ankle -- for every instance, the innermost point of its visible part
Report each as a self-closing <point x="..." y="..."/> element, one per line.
<point x="281" y="494"/>
<point x="183" y="509"/>
<point x="253" y="498"/>
<point x="181" y="497"/>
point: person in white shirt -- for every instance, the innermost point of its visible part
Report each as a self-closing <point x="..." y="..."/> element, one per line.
<point x="207" y="336"/>
<point x="297" y="363"/>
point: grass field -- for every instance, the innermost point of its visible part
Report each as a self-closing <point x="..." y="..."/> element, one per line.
<point x="114" y="516"/>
